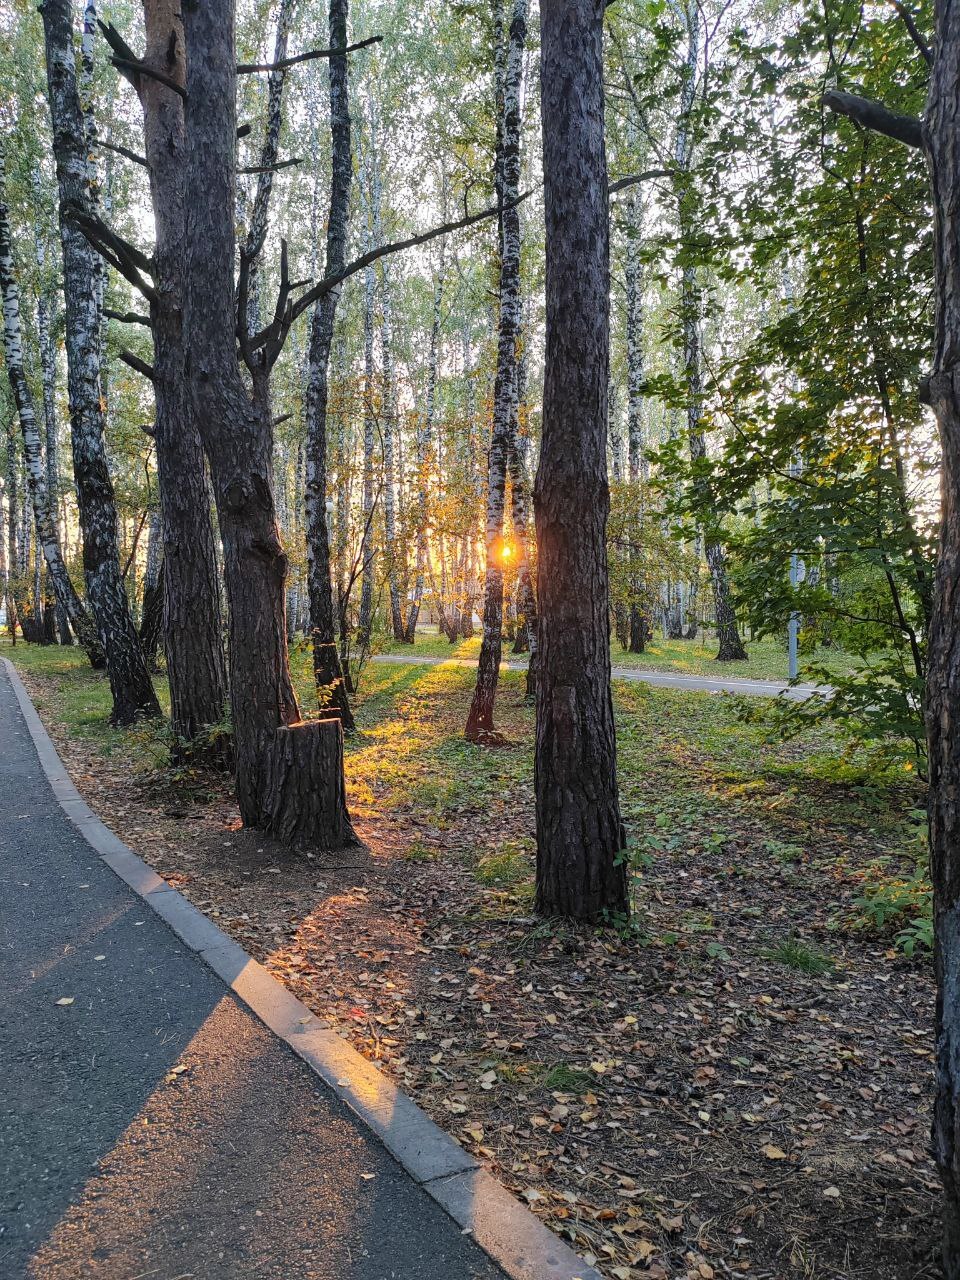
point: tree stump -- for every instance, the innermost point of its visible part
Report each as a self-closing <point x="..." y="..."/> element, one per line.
<point x="303" y="791"/>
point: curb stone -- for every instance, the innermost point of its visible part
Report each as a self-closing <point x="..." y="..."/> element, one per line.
<point x="509" y="1234"/>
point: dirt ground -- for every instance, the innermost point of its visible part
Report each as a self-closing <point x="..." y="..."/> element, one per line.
<point x="674" y="1100"/>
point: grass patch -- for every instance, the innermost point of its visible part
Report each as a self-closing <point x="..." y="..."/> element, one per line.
<point x="795" y="954"/>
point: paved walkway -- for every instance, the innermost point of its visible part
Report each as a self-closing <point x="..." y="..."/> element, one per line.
<point x="150" y="1125"/>
<point x="666" y="679"/>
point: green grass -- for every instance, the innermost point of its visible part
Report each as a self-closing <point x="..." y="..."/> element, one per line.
<point x="797" y="955"/>
<point x="767" y="661"/>
<point x="697" y="784"/>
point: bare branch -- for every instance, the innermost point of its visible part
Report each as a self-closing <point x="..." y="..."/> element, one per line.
<point x="248" y="68"/>
<point x="284" y="417"/>
<point x="914" y="30"/>
<point x="134" y="68"/>
<point x="633" y="178"/>
<point x="270" y="168"/>
<point x="274" y="336"/>
<point x="127" y="317"/>
<point x="136" y="363"/>
<point x="876" y="117"/>
<point x="148" y="430"/>
<point x="125" y="257"/>
<point x="123" y="151"/>
<point x="122" y="51"/>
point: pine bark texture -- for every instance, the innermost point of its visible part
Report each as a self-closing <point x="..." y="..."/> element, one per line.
<point x="580" y="835"/>
<point x="192" y="621"/>
<point x="296" y="810"/>
<point x="480" y="719"/>
<point x="942" y="137"/>
<point x="328" y="673"/>
<point x="130" y="683"/>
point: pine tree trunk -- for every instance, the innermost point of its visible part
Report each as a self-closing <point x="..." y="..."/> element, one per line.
<point x="46" y="526"/>
<point x="581" y="871"/>
<point x="237" y="433"/>
<point x="480" y="723"/>
<point x="943" y="676"/>
<point x="130" y="684"/>
<point x="328" y="673"/>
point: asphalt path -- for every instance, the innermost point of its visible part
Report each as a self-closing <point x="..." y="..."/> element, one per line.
<point x="665" y="679"/>
<point x="150" y="1125"/>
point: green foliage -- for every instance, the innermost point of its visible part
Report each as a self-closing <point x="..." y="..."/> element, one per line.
<point x="899" y="902"/>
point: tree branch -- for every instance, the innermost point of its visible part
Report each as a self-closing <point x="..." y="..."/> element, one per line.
<point x="248" y="68"/>
<point x="633" y="178"/>
<point x="135" y="68"/>
<point x="876" y="117"/>
<point x="271" y="168"/>
<point x="123" y="151"/>
<point x="121" y="50"/>
<point x="125" y="257"/>
<point x="274" y="336"/>
<point x="914" y="30"/>
<point x="127" y="317"/>
<point x="136" y="363"/>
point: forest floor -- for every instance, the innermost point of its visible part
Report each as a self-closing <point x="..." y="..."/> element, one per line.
<point x="767" y="661"/>
<point x="736" y="1085"/>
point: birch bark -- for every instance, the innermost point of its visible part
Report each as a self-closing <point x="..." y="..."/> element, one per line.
<point x="46" y="526"/>
<point x="130" y="683"/>
<point x="503" y="437"/>
<point x="328" y="673"/>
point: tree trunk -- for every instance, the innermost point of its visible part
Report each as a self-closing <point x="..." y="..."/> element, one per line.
<point x="730" y="646"/>
<point x="191" y="613"/>
<point x="424" y="438"/>
<point x="46" y="527"/>
<point x="296" y="811"/>
<point x="365" y="618"/>
<point x="389" y="418"/>
<point x="46" y="319"/>
<point x="581" y="870"/>
<point x="637" y="627"/>
<point x="503" y="438"/>
<point x="943" y="677"/>
<point x="10" y="560"/>
<point x="130" y="683"/>
<point x="328" y="673"/>
<point x="238" y="440"/>
<point x="151" y="619"/>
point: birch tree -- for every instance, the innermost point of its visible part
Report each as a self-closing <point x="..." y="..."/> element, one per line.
<point x="130" y="684"/>
<point x="504" y="433"/>
<point x="37" y="480"/>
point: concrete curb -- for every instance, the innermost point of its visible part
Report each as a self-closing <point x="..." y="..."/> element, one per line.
<point x="516" y="1240"/>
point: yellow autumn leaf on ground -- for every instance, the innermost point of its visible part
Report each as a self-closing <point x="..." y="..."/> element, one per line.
<point x="773" y="1153"/>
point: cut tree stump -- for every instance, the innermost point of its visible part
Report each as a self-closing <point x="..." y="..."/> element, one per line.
<point x="304" y="802"/>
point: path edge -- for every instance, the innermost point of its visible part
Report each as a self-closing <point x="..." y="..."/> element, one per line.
<point x="514" y="1238"/>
